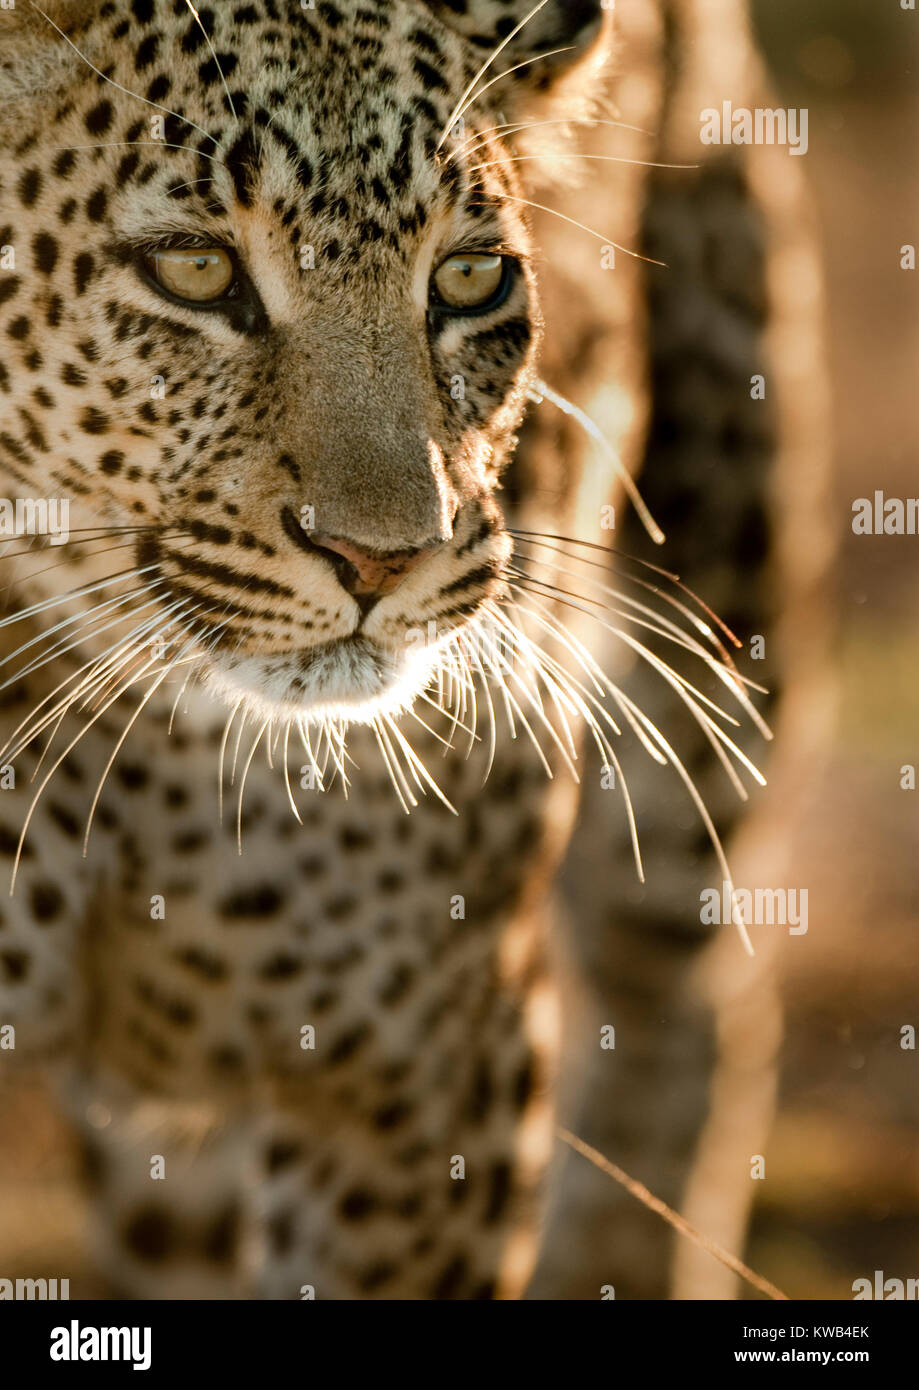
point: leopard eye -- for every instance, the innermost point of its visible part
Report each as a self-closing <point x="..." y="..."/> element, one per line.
<point x="198" y="275"/>
<point x="471" y="282"/>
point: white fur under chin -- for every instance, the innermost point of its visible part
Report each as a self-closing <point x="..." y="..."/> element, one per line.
<point x="352" y="681"/>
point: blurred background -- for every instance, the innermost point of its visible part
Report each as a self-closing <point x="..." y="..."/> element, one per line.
<point x="842" y="1196"/>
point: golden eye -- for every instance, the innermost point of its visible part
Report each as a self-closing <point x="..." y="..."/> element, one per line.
<point x="470" y="281"/>
<point x="198" y="275"/>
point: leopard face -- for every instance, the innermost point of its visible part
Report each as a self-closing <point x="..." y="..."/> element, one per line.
<point x="273" y="312"/>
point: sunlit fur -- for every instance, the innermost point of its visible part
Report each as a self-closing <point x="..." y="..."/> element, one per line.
<point x="354" y="418"/>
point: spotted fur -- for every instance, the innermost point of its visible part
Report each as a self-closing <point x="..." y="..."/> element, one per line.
<point x="403" y="1154"/>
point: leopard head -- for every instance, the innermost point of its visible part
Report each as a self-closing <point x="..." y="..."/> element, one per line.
<point x="268" y="307"/>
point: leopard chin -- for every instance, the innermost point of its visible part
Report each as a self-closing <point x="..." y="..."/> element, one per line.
<point x="352" y="680"/>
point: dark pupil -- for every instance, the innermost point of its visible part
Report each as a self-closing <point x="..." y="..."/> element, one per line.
<point x="201" y="263"/>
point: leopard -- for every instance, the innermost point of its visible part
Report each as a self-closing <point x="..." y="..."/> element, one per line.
<point x="293" y="698"/>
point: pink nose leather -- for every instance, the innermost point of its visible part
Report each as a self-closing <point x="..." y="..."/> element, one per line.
<point x="373" y="573"/>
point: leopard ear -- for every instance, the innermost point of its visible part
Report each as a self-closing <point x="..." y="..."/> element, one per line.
<point x="577" y="26"/>
<point x="34" y="57"/>
<point x="551" y="60"/>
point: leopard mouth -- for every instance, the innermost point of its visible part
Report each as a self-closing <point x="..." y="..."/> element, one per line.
<point x="351" y="679"/>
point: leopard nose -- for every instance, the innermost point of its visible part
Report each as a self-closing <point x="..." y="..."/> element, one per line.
<point x="364" y="572"/>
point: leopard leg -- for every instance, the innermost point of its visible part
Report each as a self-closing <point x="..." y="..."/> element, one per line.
<point x="436" y="1199"/>
<point x="166" y="1185"/>
<point x="47" y="899"/>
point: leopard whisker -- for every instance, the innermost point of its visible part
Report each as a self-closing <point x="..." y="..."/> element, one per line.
<point x="242" y="784"/>
<point x="532" y="653"/>
<point x="555" y="678"/>
<point x="290" y="794"/>
<point x="213" y="52"/>
<point x="142" y="704"/>
<point x="541" y="391"/>
<point x="562" y="597"/>
<point x="99" y="529"/>
<point x="324" y="750"/>
<point x="582" y="226"/>
<point x="492" y="722"/>
<point x="175" y="704"/>
<point x="448" y="747"/>
<point x="117" y="85"/>
<point x="95" y="670"/>
<point x="442" y="709"/>
<point x="156" y="144"/>
<point x="700" y="624"/>
<point x="43" y="604"/>
<point x="470" y="679"/>
<point x="541" y="536"/>
<point x="512" y="702"/>
<point x="686" y="693"/>
<point x="302" y="729"/>
<point x="515" y="127"/>
<point x="223" y="749"/>
<point x="454" y="699"/>
<point x="496" y="53"/>
<point x="654" y="622"/>
<point x="666" y="754"/>
<point x="714" y="838"/>
<point x="563" y="706"/>
<point x="528" y="62"/>
<point x="402" y="790"/>
<point x="564" y="689"/>
<point x="192" y="183"/>
<point x="416" y="766"/>
<point x="601" y="158"/>
<point x="728" y="675"/>
<point x="85" y="619"/>
<point x="62" y="648"/>
<point x="193" y="673"/>
<point x="335" y="738"/>
<point x="569" y="753"/>
<point x="106" y="550"/>
<point x="238" y="742"/>
<point x="468" y="692"/>
<point x="571" y="683"/>
<point x="583" y="700"/>
<point x="56" y="724"/>
<point x="133" y="657"/>
<point x="131" y="680"/>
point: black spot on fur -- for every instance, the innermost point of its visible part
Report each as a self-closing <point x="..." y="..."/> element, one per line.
<point x="221" y="1237"/>
<point x="45" y="251"/>
<point x="281" y="1153"/>
<point x="29" y="187"/>
<point x="46" y="901"/>
<point x="150" y="1234"/>
<point x="241" y="162"/>
<point x="450" y="1279"/>
<point x="262" y="900"/>
<point x="99" y="118"/>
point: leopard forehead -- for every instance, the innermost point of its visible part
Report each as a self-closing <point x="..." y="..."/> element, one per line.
<point x="344" y="103"/>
